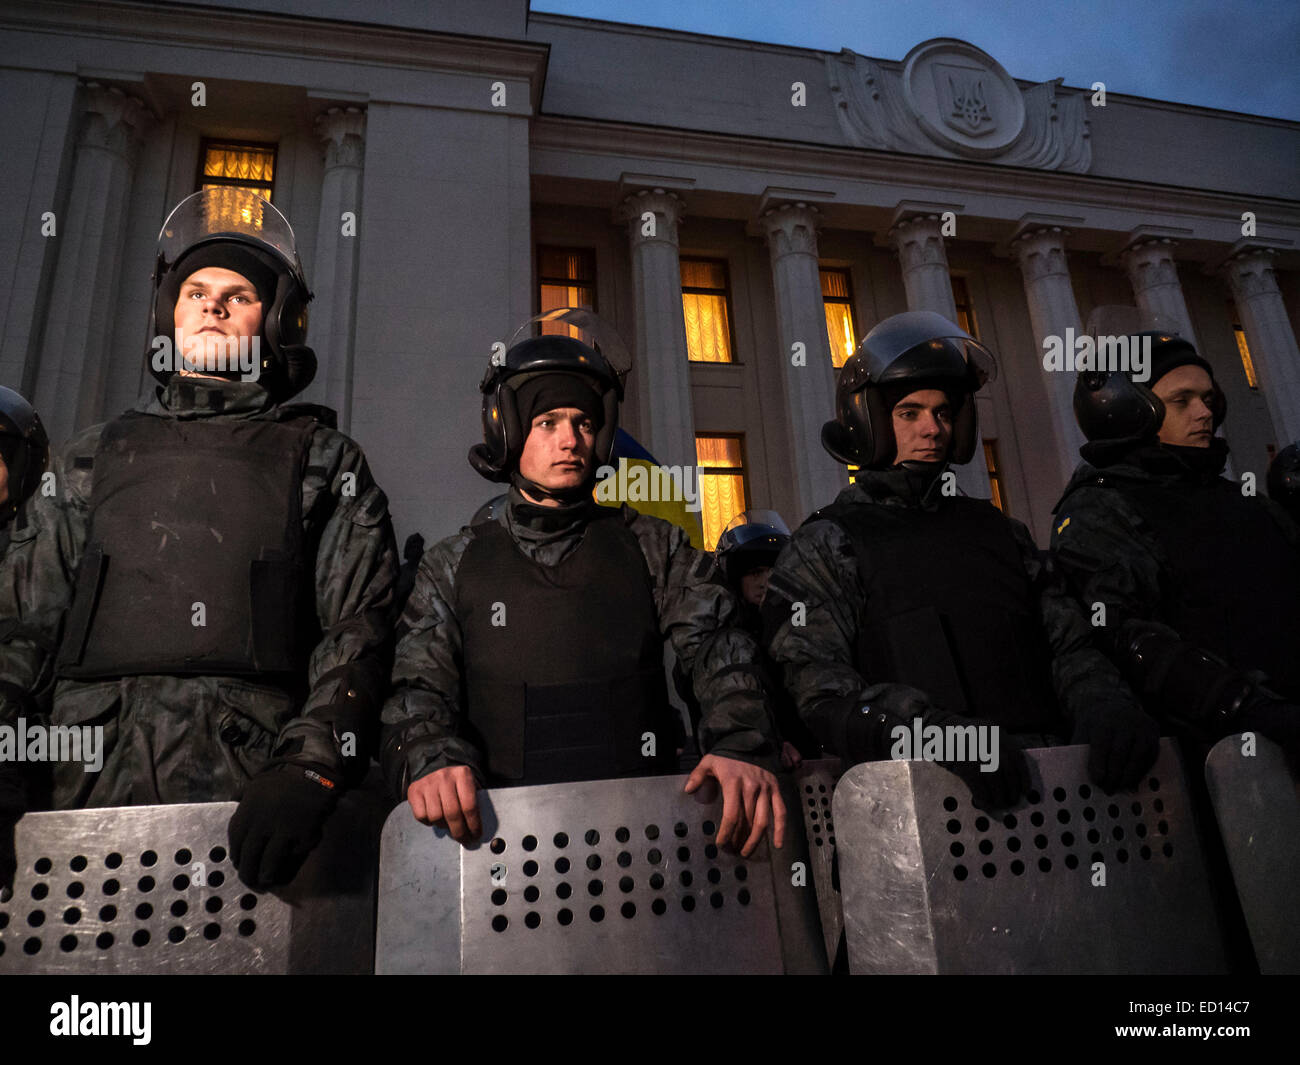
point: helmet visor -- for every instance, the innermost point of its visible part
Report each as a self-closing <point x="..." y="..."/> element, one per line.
<point x="227" y="213"/>
<point x="920" y="344"/>
<point x="582" y="324"/>
<point x="752" y="525"/>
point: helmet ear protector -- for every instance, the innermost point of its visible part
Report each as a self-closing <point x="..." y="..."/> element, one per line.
<point x="1110" y="405"/>
<point x="503" y="430"/>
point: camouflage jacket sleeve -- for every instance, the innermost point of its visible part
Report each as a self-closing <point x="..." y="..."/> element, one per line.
<point x="423" y="713"/>
<point x="1083" y="675"/>
<point x="699" y="615"/>
<point x="346" y="515"/>
<point x="1110" y="563"/>
<point x="38" y="571"/>
<point x="810" y="623"/>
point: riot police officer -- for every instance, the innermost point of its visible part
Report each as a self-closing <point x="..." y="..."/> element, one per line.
<point x="904" y="599"/>
<point x="746" y="552"/>
<point x="211" y="578"/>
<point x="1197" y="578"/>
<point x="531" y="649"/>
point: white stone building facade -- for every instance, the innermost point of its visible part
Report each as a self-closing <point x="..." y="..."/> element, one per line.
<point x="429" y="155"/>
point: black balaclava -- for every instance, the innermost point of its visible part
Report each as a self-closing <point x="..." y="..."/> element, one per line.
<point x="551" y="391"/>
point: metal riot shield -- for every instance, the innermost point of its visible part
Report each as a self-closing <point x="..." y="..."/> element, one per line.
<point x="815" y="781"/>
<point x="611" y="876"/>
<point x="151" y="889"/>
<point x="1068" y="881"/>
<point x="1256" y="800"/>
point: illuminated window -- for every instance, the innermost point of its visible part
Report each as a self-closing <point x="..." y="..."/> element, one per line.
<point x="706" y="308"/>
<point x="723" y="492"/>
<point x="965" y="309"/>
<point x="244" y="166"/>
<point x="566" y="277"/>
<point x="995" y="472"/>
<point x="837" y="300"/>
<point x="1243" y="349"/>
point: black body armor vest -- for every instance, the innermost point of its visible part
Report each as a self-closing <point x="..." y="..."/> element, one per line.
<point x="950" y="610"/>
<point x="194" y="562"/>
<point x="563" y="664"/>
<point x="1233" y="586"/>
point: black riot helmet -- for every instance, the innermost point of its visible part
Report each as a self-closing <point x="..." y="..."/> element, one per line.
<point x="753" y="538"/>
<point x="25" y="449"/>
<point x="238" y="230"/>
<point x="525" y="363"/>
<point x="1284" y="479"/>
<point x="1112" y="406"/>
<point x="905" y="353"/>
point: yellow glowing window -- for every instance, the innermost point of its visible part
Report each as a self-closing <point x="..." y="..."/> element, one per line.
<point x="706" y="310"/>
<point x="965" y="309"/>
<point x="244" y="166"/>
<point x="566" y="277"/>
<point x="994" y="465"/>
<point x="723" y="492"/>
<point x="1243" y="349"/>
<point x="837" y="299"/>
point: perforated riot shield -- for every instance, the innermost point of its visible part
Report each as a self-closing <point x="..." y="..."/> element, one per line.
<point x="616" y="876"/>
<point x="151" y="889"/>
<point x="1256" y="799"/>
<point x="1068" y="881"/>
<point x="815" y="783"/>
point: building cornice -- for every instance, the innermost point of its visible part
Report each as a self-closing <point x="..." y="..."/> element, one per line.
<point x="928" y="177"/>
<point x="292" y="37"/>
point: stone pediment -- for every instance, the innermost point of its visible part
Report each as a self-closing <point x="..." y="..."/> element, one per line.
<point x="951" y="99"/>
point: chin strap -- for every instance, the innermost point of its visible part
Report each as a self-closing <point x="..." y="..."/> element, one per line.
<point x="566" y="496"/>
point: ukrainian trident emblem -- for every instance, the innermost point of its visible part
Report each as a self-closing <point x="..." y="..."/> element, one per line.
<point x="968" y="110"/>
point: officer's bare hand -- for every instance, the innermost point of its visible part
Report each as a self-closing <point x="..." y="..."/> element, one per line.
<point x="751" y="801"/>
<point x="790" y="756"/>
<point x="447" y="798"/>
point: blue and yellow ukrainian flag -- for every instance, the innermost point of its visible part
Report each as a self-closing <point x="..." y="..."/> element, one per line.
<point x="627" y="448"/>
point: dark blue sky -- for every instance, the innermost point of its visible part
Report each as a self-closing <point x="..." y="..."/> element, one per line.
<point x="1243" y="55"/>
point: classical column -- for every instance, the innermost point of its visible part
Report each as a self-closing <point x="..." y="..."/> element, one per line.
<point x="919" y="242"/>
<point x="662" y="368"/>
<point x="334" y="271"/>
<point x="1270" y="336"/>
<point x="76" y="353"/>
<point x="1154" y="276"/>
<point x="1052" y="311"/>
<point x="926" y="279"/>
<point x="809" y="375"/>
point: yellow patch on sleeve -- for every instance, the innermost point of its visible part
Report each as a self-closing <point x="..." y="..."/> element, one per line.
<point x="1060" y="528"/>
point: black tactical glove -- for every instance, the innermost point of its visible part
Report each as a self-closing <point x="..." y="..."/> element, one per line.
<point x="869" y="736"/>
<point x="279" y="821"/>
<point x="13" y="804"/>
<point x="1123" y="743"/>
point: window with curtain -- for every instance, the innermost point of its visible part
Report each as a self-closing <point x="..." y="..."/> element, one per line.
<point x="723" y="491"/>
<point x="706" y="308"/>
<point x="224" y="164"/>
<point x="965" y="309"/>
<point x="837" y="300"/>
<point x="994" y="464"/>
<point x="566" y="277"/>
<point x="1243" y="349"/>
